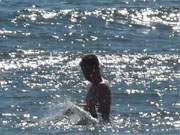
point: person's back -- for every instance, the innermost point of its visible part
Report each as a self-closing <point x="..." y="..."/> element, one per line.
<point x="99" y="94"/>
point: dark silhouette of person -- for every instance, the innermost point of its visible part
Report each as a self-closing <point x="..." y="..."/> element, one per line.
<point x="98" y="98"/>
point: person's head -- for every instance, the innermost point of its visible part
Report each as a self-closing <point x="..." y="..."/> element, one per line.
<point x="90" y="68"/>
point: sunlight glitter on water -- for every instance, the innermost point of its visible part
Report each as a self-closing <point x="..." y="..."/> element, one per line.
<point x="145" y="17"/>
<point x="137" y="42"/>
<point x="115" y="67"/>
<point x="149" y="67"/>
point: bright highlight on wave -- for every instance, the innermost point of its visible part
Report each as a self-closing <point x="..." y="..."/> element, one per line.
<point x="145" y="17"/>
<point x="4" y="33"/>
<point x="132" y="69"/>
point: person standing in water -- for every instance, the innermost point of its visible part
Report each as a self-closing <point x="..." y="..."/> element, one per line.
<point x="99" y="94"/>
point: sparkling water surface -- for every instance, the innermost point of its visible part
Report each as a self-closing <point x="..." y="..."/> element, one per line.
<point x="136" y="41"/>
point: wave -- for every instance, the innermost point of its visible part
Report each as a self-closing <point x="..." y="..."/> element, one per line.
<point x="148" y="17"/>
<point x="4" y="33"/>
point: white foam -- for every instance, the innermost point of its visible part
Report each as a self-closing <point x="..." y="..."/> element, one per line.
<point x="77" y="115"/>
<point x="67" y="114"/>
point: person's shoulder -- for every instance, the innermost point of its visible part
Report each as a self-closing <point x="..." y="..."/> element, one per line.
<point x="104" y="84"/>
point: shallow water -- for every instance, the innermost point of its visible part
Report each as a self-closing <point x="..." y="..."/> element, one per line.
<point x="137" y="42"/>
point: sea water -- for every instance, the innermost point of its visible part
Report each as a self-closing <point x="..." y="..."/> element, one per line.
<point x="136" y="41"/>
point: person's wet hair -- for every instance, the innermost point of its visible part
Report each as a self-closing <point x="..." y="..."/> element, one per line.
<point x="89" y="60"/>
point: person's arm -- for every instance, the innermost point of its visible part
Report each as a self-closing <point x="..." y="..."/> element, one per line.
<point x="104" y="101"/>
<point x="89" y="107"/>
<point x="83" y="105"/>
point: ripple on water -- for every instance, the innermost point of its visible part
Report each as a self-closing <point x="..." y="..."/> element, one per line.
<point x="144" y="17"/>
<point x="35" y="83"/>
<point x="131" y="69"/>
<point x="52" y="77"/>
